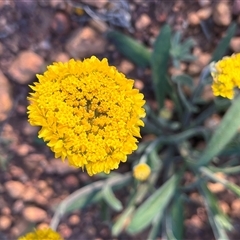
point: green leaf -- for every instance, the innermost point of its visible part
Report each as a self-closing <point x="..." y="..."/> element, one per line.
<point x="142" y="146"/>
<point x="158" y="122"/>
<point x="159" y="64"/>
<point x="84" y="201"/>
<point x="222" y="47"/>
<point x="188" y="58"/>
<point x="177" y="217"/>
<point x="226" y="170"/>
<point x="105" y="214"/>
<point x="231" y="186"/>
<point x="130" y="48"/>
<point x="176" y="39"/>
<point x="110" y="199"/>
<point x="189" y="43"/>
<point x="154" y="160"/>
<point x="209" y="111"/>
<point x="222" y="104"/>
<point x="154" y="205"/>
<point x="197" y="131"/>
<point x="86" y="195"/>
<point x="189" y="107"/>
<point x="218" y="220"/>
<point x="155" y="227"/>
<point x="135" y="198"/>
<point x="150" y="128"/>
<point x="122" y="221"/>
<point x="92" y="193"/>
<point x="224" y="133"/>
<point x="183" y="79"/>
<point x="180" y="80"/>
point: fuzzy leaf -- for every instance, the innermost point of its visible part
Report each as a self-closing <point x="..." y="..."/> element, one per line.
<point x="183" y="79"/>
<point x="110" y="199"/>
<point x="218" y="220"/>
<point x="120" y="224"/>
<point x="223" y="45"/>
<point x="224" y="133"/>
<point x="153" y="206"/>
<point x="159" y="64"/>
<point x="177" y="217"/>
<point x="130" y="48"/>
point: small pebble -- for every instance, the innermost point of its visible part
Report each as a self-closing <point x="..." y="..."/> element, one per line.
<point x="204" y="3"/>
<point x="59" y="4"/>
<point x="196" y="221"/>
<point x="236" y="7"/>
<point x="26" y="65"/>
<point x="65" y="231"/>
<point x="71" y="181"/>
<point x="222" y="15"/>
<point x="41" y="184"/>
<point x="224" y="207"/>
<point x="19" y="228"/>
<point x="23" y="149"/>
<point x="6" y="211"/>
<point x="6" y="99"/>
<point x="60" y="23"/>
<point x="17" y="173"/>
<point x="14" y="189"/>
<point x="1" y="47"/>
<point x="74" y="220"/>
<point x="235" y="206"/>
<point x="34" y="214"/>
<point x="235" y="44"/>
<point x="142" y="22"/>
<point x="138" y="84"/>
<point x="97" y="4"/>
<point x="41" y="200"/>
<point x="29" y="194"/>
<point x="212" y="122"/>
<point x="5" y="222"/>
<point x="47" y="192"/>
<point x="61" y="57"/>
<point x="193" y="19"/>
<point x="18" y="206"/>
<point x="85" y="42"/>
<point x="204" y="13"/>
<point x="126" y="67"/>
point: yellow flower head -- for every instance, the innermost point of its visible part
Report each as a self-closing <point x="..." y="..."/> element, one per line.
<point x="89" y="113"/>
<point x="226" y="76"/>
<point x="141" y="171"/>
<point x="42" y="234"/>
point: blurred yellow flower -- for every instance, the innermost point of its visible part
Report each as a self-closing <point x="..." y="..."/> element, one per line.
<point x="89" y="113"/>
<point x="141" y="171"/>
<point x="226" y="76"/>
<point x="42" y="234"/>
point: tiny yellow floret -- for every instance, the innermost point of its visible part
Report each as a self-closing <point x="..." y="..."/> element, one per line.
<point x="141" y="171"/>
<point x="226" y="76"/>
<point x="88" y="112"/>
<point x="42" y="234"/>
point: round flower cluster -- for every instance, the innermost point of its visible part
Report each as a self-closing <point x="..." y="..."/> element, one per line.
<point x="40" y="234"/>
<point x="226" y="76"/>
<point x="89" y="113"/>
<point x="141" y="171"/>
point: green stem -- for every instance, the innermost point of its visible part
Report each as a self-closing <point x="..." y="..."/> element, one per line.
<point x="96" y="186"/>
<point x="205" y="72"/>
<point x="227" y="170"/>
